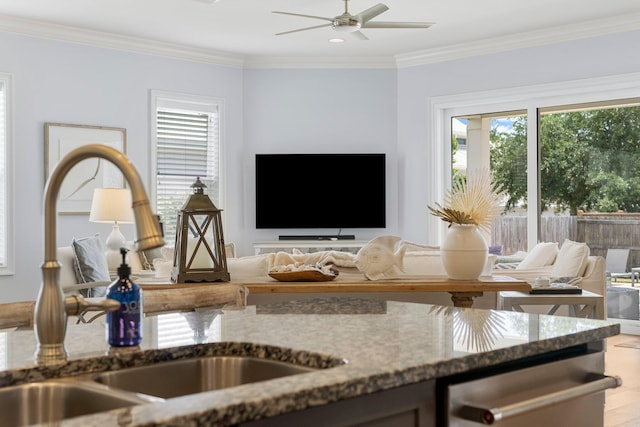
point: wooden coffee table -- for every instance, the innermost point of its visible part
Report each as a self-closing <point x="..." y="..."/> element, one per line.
<point x="462" y="292"/>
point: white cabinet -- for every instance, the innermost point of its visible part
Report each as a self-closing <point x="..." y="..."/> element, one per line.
<point x="346" y="245"/>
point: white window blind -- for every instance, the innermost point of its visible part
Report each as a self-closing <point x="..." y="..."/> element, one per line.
<point x="174" y="329"/>
<point x="187" y="147"/>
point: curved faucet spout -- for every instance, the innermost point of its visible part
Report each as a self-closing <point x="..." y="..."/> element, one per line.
<point x="50" y="317"/>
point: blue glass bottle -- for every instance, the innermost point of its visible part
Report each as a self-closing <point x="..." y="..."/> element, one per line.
<point x="124" y="326"/>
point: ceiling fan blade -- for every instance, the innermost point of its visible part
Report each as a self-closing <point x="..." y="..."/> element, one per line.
<point x="304" y="16"/>
<point x="380" y="24"/>
<point x="359" y="35"/>
<point x="371" y="13"/>
<point x="303" y="29"/>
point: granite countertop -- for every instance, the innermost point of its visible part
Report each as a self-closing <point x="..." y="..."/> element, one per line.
<point x="385" y="344"/>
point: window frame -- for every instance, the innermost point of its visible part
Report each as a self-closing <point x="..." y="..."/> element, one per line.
<point x="8" y="267"/>
<point x="186" y="102"/>
<point x="530" y="98"/>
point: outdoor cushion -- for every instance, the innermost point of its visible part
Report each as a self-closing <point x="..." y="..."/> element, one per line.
<point x="571" y="260"/>
<point x="542" y="254"/>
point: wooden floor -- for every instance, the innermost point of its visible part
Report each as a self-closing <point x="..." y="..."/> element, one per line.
<point x="622" y="406"/>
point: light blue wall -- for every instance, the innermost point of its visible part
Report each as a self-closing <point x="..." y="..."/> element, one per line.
<point x="266" y="111"/>
<point x="596" y="57"/>
<point x="70" y="83"/>
<point x="319" y="111"/>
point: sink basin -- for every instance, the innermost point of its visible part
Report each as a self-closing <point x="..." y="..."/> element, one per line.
<point x="49" y="402"/>
<point x="189" y="376"/>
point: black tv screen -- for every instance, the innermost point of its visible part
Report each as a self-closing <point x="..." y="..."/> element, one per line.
<point x="320" y="191"/>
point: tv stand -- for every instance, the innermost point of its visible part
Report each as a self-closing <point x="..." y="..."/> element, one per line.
<point x="318" y="237"/>
<point x="348" y="245"/>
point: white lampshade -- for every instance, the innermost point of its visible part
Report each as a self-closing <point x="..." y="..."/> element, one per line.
<point x="112" y="205"/>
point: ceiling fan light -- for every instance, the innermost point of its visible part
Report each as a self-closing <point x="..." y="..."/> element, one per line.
<point x="346" y="28"/>
<point x="336" y="40"/>
<point x="346" y="25"/>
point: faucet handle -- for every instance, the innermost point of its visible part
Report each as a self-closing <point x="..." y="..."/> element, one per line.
<point x="77" y="305"/>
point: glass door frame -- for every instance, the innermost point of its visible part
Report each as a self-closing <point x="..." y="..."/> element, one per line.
<point x="442" y="109"/>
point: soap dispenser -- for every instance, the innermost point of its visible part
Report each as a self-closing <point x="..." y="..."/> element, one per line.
<point x="124" y="326"/>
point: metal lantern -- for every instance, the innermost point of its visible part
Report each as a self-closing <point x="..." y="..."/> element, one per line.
<point x="199" y="254"/>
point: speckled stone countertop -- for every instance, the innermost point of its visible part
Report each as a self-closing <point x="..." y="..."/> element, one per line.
<point x="385" y="344"/>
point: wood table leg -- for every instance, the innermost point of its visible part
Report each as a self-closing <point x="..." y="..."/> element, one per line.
<point x="464" y="299"/>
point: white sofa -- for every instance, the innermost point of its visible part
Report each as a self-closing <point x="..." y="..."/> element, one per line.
<point x="572" y="259"/>
<point x="593" y="279"/>
<point x="137" y="262"/>
<point x="68" y="280"/>
<point x="418" y="261"/>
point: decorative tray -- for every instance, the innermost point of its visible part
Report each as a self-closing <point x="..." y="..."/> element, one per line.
<point x="302" y="276"/>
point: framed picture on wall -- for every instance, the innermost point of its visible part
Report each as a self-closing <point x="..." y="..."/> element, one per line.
<point x="77" y="188"/>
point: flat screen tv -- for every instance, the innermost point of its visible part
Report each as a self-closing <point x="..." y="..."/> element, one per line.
<point x="320" y="191"/>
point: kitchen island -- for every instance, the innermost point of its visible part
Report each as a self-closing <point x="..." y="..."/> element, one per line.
<point x="402" y="361"/>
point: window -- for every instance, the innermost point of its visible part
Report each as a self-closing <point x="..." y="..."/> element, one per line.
<point x="187" y="135"/>
<point x="497" y="141"/>
<point x="535" y="102"/>
<point x="6" y="237"/>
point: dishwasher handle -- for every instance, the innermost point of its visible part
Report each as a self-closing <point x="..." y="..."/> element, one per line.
<point x="596" y="383"/>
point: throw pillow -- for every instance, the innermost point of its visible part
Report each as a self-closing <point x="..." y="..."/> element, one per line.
<point x="495" y="250"/>
<point x="572" y="259"/>
<point x="542" y="254"/>
<point x="90" y="262"/>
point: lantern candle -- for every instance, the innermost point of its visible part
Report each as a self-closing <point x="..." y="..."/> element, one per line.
<point x="202" y="258"/>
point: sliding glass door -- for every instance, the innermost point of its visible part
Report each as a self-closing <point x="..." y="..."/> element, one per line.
<point x="498" y="142"/>
<point x="569" y="171"/>
<point x="590" y="187"/>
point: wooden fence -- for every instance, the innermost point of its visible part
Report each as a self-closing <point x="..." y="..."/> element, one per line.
<point x="600" y="231"/>
<point x="511" y="231"/>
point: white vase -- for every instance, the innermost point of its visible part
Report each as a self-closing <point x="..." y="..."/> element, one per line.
<point x="464" y="252"/>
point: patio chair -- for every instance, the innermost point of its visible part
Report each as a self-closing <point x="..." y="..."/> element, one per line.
<point x="616" y="263"/>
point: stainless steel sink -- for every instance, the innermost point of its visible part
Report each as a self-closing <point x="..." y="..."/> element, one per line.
<point x="49" y="402"/>
<point x="182" y="377"/>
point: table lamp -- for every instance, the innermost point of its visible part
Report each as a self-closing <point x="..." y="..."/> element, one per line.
<point x="112" y="205"/>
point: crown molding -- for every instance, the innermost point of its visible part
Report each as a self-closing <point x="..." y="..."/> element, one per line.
<point x="32" y="28"/>
<point x="291" y="62"/>
<point x="493" y="45"/>
<point x="552" y="35"/>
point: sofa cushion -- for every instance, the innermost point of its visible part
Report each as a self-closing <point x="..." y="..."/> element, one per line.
<point x="67" y="270"/>
<point x="90" y="262"/>
<point x="427" y="263"/>
<point x="542" y="254"/>
<point x="571" y="260"/>
<point x="256" y="266"/>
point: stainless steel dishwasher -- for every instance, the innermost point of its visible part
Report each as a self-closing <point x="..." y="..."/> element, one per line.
<point x="569" y="392"/>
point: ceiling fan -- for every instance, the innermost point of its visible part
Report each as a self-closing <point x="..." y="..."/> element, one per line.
<point x="352" y="24"/>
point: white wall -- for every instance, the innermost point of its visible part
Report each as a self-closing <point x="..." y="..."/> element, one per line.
<point x="69" y="83"/>
<point x="596" y="57"/>
<point x="266" y="111"/>
<point x="319" y="111"/>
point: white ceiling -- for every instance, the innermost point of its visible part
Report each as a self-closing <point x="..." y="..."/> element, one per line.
<point x="246" y="28"/>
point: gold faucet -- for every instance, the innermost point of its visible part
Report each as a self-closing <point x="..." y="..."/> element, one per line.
<point x="50" y="314"/>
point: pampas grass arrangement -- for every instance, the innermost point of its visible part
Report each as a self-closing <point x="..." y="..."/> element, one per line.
<point x="474" y="201"/>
